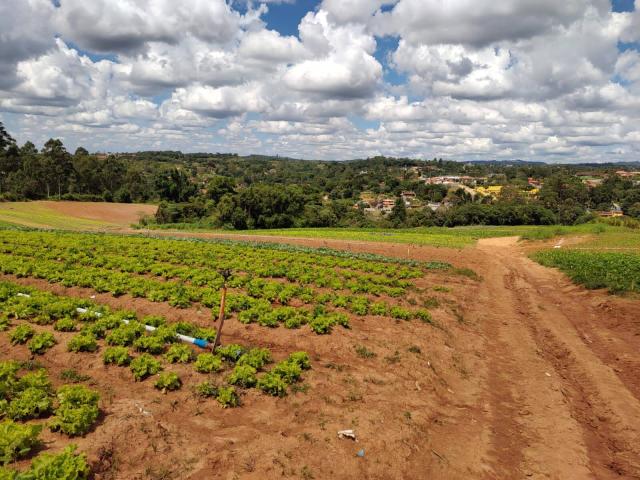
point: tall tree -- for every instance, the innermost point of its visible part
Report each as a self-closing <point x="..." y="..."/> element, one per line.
<point x="58" y="164"/>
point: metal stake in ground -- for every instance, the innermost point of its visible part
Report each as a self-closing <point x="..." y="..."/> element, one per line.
<point x="225" y="276"/>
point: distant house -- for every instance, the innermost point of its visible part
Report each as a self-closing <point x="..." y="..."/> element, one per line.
<point x="387" y="204"/>
<point x="491" y="191"/>
<point x="534" y="183"/>
<point x="434" y="205"/>
<point x="614" y="211"/>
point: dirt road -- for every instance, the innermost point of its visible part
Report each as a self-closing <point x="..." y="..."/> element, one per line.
<point x="560" y="397"/>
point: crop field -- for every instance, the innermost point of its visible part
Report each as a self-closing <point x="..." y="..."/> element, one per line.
<point x="456" y="237"/>
<point x="72" y="215"/>
<point x="618" y="272"/>
<point x="77" y="348"/>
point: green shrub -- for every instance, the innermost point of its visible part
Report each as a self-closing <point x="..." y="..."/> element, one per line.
<point x="290" y="372"/>
<point x="256" y="358"/>
<point x="66" y="465"/>
<point x="116" y="356"/>
<point x="30" y="403"/>
<point x="227" y="397"/>
<point x="21" y="334"/>
<point x="168" y="381"/>
<point x="179" y="353"/>
<point x="231" y="352"/>
<point x="41" y="342"/>
<point x="208" y="362"/>
<point x="400" y="313"/>
<point x="301" y="359"/>
<point x="77" y="411"/>
<point x="272" y="384"/>
<point x="125" y="334"/>
<point x="144" y="365"/>
<point x="149" y="343"/>
<point x="206" y="389"/>
<point x="65" y="325"/>
<point x="82" y="342"/>
<point x="16" y="440"/>
<point x="243" y="376"/>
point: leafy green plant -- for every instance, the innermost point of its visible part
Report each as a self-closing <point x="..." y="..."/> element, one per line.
<point x="243" y="376"/>
<point x="116" y="356"/>
<point x="301" y="359"/>
<point x="16" y="441"/>
<point x="179" y="353"/>
<point x="290" y="372"/>
<point x="38" y="379"/>
<point x="168" y="381"/>
<point x="206" y="389"/>
<point x="21" y="334"/>
<point x="272" y="384"/>
<point x="5" y="323"/>
<point x="231" y="352"/>
<point x="83" y="342"/>
<point x="144" y="366"/>
<point x="208" y="362"/>
<point x="227" y="397"/>
<point x="41" y="342"/>
<point x="29" y="403"/>
<point x="77" y="411"/>
<point x="256" y="358"/>
<point x="125" y="334"/>
<point x="66" y="465"/>
<point x="400" y="313"/>
<point x="149" y="343"/>
<point x="65" y="325"/>
<point x="208" y="334"/>
<point x="424" y="316"/>
<point x="379" y="308"/>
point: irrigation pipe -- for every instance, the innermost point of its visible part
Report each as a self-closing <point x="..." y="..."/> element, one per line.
<point x="198" y="342"/>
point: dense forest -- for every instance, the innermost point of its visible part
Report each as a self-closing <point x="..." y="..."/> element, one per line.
<point x="227" y="190"/>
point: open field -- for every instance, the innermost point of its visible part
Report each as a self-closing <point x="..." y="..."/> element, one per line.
<point x="517" y="373"/>
<point x="73" y="215"/>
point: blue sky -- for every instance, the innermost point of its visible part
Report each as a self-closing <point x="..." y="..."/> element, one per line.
<point x="334" y="79"/>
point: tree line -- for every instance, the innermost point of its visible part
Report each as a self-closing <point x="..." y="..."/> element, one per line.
<point x="226" y="190"/>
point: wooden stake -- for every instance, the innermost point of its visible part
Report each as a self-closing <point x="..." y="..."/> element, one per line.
<point x="216" y="342"/>
<point x="225" y="275"/>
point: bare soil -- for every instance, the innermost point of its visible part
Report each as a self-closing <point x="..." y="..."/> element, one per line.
<point x="530" y="377"/>
<point x="123" y="214"/>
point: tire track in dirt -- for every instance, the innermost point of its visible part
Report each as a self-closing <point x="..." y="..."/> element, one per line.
<point x="597" y="419"/>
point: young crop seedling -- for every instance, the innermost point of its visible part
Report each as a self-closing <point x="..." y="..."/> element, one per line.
<point x="149" y="343"/>
<point x="243" y="376"/>
<point x="290" y="372"/>
<point x="168" y="381"/>
<point x="116" y="356"/>
<point x="144" y="366"/>
<point x="17" y="441"/>
<point x="65" y="325"/>
<point x="30" y="403"/>
<point x="77" y="412"/>
<point x="21" y="334"/>
<point x="208" y="363"/>
<point x="66" y="465"/>
<point x="83" y="342"/>
<point x="272" y="384"/>
<point x="206" y="389"/>
<point x="41" y="342"/>
<point x="256" y="358"/>
<point x="227" y="397"/>
<point x="179" y="353"/>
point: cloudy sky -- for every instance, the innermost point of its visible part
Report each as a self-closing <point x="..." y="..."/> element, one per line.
<point x="554" y="80"/>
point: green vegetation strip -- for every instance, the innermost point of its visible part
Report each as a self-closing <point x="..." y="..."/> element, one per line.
<point x="618" y="272"/>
